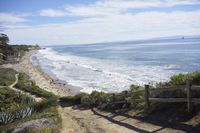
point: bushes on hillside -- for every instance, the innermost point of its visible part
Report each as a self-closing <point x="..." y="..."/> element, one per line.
<point x="180" y="79"/>
<point x="73" y="100"/>
<point x="29" y="86"/>
<point x="97" y="99"/>
<point x="21" y="112"/>
<point x="16" y="108"/>
<point x="105" y="100"/>
<point x="14" y="105"/>
<point x="7" y="76"/>
<point x="177" y="80"/>
<point x="9" y="99"/>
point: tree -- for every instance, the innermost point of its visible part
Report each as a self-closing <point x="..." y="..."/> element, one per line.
<point x="4" y="39"/>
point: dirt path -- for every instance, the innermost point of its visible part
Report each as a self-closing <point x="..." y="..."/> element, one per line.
<point x="37" y="99"/>
<point x="76" y="121"/>
<point x="94" y="121"/>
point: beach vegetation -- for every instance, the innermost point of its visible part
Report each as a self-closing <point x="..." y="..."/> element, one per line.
<point x="17" y="108"/>
<point x="4" y="39"/>
<point x="10" y="99"/>
<point x="95" y="98"/>
<point x="73" y="100"/>
<point x="25" y="84"/>
<point x="112" y="101"/>
<point x="180" y="79"/>
<point x="7" y="76"/>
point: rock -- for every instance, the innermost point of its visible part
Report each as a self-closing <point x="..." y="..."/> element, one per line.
<point x="36" y="125"/>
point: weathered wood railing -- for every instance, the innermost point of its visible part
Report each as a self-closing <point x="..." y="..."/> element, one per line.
<point x="147" y="98"/>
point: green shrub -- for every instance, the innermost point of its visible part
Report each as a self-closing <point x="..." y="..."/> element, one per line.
<point x="9" y="99"/>
<point x="195" y="77"/>
<point x="136" y="91"/>
<point x="93" y="99"/>
<point x="97" y="98"/>
<point x="73" y="100"/>
<point x="50" y="112"/>
<point x="27" y="85"/>
<point x="168" y="93"/>
<point x="14" y="105"/>
<point x="86" y="100"/>
<point x="179" y="79"/>
<point x="7" y="76"/>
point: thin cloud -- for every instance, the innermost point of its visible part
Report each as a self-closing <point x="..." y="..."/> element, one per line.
<point x="10" y="18"/>
<point x="110" y="7"/>
<point x="52" y="13"/>
<point x="109" y="20"/>
<point x="114" y="27"/>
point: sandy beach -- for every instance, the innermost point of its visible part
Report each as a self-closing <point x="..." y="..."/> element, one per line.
<point x="41" y="79"/>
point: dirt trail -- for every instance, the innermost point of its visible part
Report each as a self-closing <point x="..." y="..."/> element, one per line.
<point x="94" y="121"/>
<point x="84" y="121"/>
<point x="37" y="99"/>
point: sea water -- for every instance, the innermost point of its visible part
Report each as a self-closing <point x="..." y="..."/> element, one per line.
<point x="113" y="67"/>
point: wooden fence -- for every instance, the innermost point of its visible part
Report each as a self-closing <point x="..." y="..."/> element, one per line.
<point x="147" y="98"/>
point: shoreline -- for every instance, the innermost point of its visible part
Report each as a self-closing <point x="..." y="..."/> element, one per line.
<point x="42" y="79"/>
<point x="75" y="119"/>
<point x="55" y="80"/>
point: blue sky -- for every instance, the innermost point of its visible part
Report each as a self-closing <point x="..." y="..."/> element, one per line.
<point x="57" y="22"/>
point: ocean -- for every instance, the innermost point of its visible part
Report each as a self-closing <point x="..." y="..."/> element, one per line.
<point x="113" y="67"/>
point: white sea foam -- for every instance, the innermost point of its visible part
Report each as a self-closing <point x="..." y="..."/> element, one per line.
<point x="102" y="75"/>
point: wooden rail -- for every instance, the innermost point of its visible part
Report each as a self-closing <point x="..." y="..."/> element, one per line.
<point x="188" y="99"/>
<point x="147" y="99"/>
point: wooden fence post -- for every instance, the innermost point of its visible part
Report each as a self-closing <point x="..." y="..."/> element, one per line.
<point x="113" y="97"/>
<point x="189" y="99"/>
<point x="146" y="96"/>
<point x="125" y="94"/>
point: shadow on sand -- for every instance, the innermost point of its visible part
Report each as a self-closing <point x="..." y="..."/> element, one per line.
<point x="163" y="124"/>
<point x="153" y="118"/>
